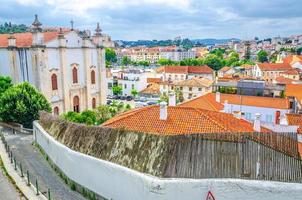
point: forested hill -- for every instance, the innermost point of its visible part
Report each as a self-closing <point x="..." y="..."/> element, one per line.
<point x="12" y="28"/>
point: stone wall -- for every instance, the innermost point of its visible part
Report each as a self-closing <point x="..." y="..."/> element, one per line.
<point x="183" y="156"/>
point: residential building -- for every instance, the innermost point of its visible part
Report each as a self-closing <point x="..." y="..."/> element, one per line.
<point x="129" y="79"/>
<point x="270" y="71"/>
<point x="177" y="73"/>
<point x="271" y="109"/>
<point x="177" y="55"/>
<point x="295" y="91"/>
<point x="293" y="74"/>
<point x="190" y="88"/>
<point x="68" y="68"/>
<point x="225" y="71"/>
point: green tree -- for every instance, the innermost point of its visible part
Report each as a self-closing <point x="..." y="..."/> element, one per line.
<point x="143" y="63"/>
<point x="21" y="104"/>
<point x="262" y="56"/>
<point x="299" y="51"/>
<point x="117" y="90"/>
<point x="110" y="55"/>
<point x="214" y="61"/>
<point x="134" y="92"/>
<point x="5" y="83"/>
<point x="233" y="59"/>
<point x="163" y="62"/>
<point x="125" y="60"/>
<point x="103" y="113"/>
<point x="218" y="52"/>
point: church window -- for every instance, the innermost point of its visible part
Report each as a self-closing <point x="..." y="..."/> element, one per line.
<point x="75" y="75"/>
<point x="54" y="82"/>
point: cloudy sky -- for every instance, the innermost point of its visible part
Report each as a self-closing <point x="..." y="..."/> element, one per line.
<point x="164" y="19"/>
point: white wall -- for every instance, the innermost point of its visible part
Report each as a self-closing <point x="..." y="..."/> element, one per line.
<point x="265" y="112"/>
<point x="120" y="183"/>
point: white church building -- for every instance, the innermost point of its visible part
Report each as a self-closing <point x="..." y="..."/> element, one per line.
<point x="68" y="68"/>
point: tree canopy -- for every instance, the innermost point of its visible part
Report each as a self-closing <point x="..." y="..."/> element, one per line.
<point x="12" y="28"/>
<point x="98" y="115"/>
<point x="21" y="104"/>
<point x="5" y="83"/>
<point x="116" y="90"/>
<point x="125" y="60"/>
<point x="262" y="56"/>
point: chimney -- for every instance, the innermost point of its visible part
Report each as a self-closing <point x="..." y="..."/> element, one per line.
<point x="172" y="99"/>
<point x="163" y="112"/>
<point x="237" y="114"/>
<point x="11" y="41"/>
<point x="226" y="106"/>
<point x="257" y="126"/>
<point x="218" y="97"/>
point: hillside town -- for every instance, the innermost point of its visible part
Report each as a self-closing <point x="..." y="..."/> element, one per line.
<point x="87" y="116"/>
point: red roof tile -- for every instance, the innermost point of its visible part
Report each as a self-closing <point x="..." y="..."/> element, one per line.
<point x="185" y="69"/>
<point x="208" y="101"/>
<point x="274" y="66"/>
<point x="25" y="39"/>
<point x="181" y="120"/>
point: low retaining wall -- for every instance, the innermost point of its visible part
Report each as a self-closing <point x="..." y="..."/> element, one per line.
<point x="116" y="182"/>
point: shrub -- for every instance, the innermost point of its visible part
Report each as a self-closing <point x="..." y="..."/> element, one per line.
<point x="21" y="104"/>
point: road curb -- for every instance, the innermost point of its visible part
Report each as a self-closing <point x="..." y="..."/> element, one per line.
<point x="28" y="191"/>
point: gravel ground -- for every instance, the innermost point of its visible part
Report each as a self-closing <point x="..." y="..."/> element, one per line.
<point x="32" y="160"/>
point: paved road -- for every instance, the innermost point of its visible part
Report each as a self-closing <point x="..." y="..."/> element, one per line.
<point x="39" y="168"/>
<point x="7" y="189"/>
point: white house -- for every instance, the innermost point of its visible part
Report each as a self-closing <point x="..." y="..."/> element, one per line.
<point x="271" y="109"/>
<point x="178" y="73"/>
<point x="225" y="71"/>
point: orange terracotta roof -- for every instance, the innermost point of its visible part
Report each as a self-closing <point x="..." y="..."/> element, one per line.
<point x="274" y="66"/>
<point x="291" y="58"/>
<point x="152" y="88"/>
<point x="225" y="69"/>
<point x="294" y="90"/>
<point x="181" y="120"/>
<point x="25" y="39"/>
<point x="291" y="72"/>
<point x="195" y="82"/>
<point x="255" y="101"/>
<point x="207" y="102"/>
<point x="295" y="120"/>
<point x="247" y="66"/>
<point x="283" y="80"/>
<point x="185" y="69"/>
<point x="153" y="80"/>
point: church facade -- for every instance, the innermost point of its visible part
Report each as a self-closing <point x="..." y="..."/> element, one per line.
<point x="68" y="68"/>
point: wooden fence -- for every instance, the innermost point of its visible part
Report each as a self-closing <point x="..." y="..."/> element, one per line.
<point x="259" y="156"/>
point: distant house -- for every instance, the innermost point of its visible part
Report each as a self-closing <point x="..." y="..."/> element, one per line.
<point x="190" y="88"/>
<point x="152" y="90"/>
<point x="293" y="74"/>
<point x="178" y="73"/>
<point x="295" y="91"/>
<point x="271" y="109"/>
<point x="270" y="71"/>
<point x="294" y="60"/>
<point x="225" y="71"/>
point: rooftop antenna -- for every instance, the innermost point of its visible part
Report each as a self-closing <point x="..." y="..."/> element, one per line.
<point x="71" y="22"/>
